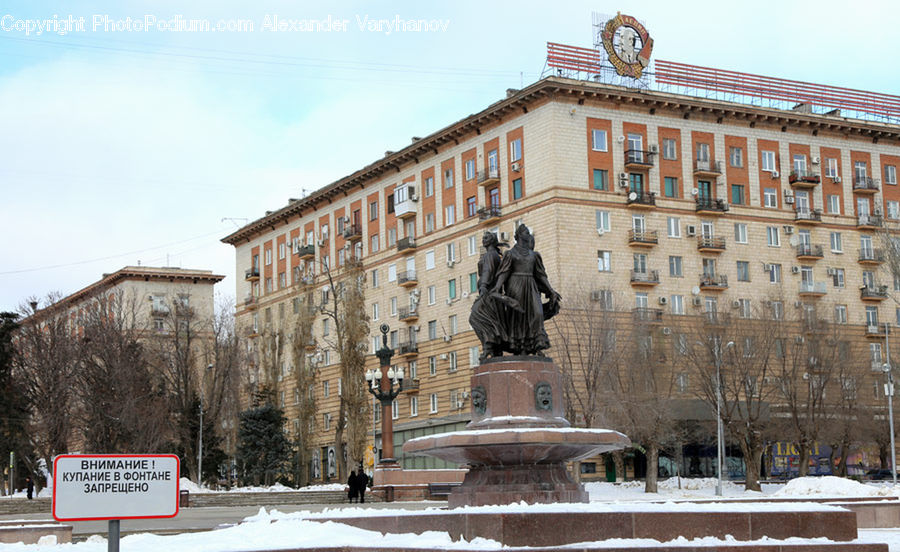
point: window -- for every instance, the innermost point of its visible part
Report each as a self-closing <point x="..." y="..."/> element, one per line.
<point x="429" y="259"/>
<point x="375" y="278"/>
<point x="392" y="237"/>
<point x="393" y="306"/>
<point x="743" y="271"/>
<point x="770" y="198"/>
<point x="744" y="306"/>
<point x="598" y="140"/>
<point x="432" y="292"/>
<point x="434" y="403"/>
<point x="890" y="174"/>
<point x="737" y="194"/>
<point x="772" y="238"/>
<point x="326" y="421"/>
<point x="670" y="149"/>
<point x="268" y="256"/>
<point x="390" y="203"/>
<point x="681" y="382"/>
<point x="453" y="364"/>
<point x="740" y="232"/>
<point x="834" y="204"/>
<point x="451" y="289"/>
<point x="473" y="282"/>
<point x="768" y="161"/>
<point x="449" y="215"/>
<point x="673" y="224"/>
<point x="677" y="303"/>
<point x="675" y="267"/>
<point x="872" y="316"/>
<point x="373" y="210"/>
<point x="395" y="409"/>
<point x="859" y="171"/>
<point x="432" y="365"/>
<point x="470" y="169"/>
<point x="517" y="188"/>
<point x="429" y="186"/>
<point x="840" y="314"/>
<point x="836" y="245"/>
<point x="282" y="280"/>
<point x="471" y="206"/>
<point x="831" y="168"/>
<point x="448" y="178"/>
<point x="604" y="263"/>
<point x="774" y="271"/>
<point x="602" y="218"/>
<point x="373" y="248"/>
<point x="325" y="388"/>
<point x="670" y="186"/>
<point x="413" y="406"/>
<point x="429" y="222"/>
<point x="736" y="157"/>
<point x="601" y="179"/>
<point x="268" y="285"/>
<point x="392" y="272"/>
<point x="799" y="163"/>
<point x="374" y="311"/>
<point x="515" y="150"/>
<point x="703" y="152"/>
<point x="893" y="209"/>
<point x="473" y="245"/>
<point x="451" y="251"/>
<point x="432" y="329"/>
<point x="838" y="277"/>
<point x="281" y="249"/>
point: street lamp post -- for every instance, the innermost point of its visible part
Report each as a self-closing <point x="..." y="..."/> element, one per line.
<point x="200" y="439"/>
<point x="381" y="385"/>
<point x="890" y="393"/>
<point x="720" y="439"/>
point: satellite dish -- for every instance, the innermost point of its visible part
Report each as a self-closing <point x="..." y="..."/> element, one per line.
<point x="695" y="290"/>
<point x="632" y="196"/>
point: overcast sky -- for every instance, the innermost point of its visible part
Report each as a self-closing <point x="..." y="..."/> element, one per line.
<point x="120" y="146"/>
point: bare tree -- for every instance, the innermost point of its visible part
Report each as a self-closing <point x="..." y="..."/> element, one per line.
<point x="305" y="378"/>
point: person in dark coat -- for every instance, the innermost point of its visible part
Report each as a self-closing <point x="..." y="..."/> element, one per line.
<point x="486" y="317"/>
<point x="29" y="489"/>
<point x="352" y="486"/>
<point x="362" y="481"/>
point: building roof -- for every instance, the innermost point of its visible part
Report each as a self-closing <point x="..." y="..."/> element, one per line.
<point x="562" y="89"/>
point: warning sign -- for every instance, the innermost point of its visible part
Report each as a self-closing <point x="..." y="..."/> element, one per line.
<point x="115" y="486"/>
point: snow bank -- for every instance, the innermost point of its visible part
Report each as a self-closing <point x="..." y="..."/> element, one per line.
<point x="188" y="485"/>
<point x="829" y="485"/>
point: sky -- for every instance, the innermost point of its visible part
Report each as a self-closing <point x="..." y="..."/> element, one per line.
<point x="125" y="143"/>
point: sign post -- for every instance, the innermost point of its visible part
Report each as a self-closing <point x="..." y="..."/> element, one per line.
<point x="115" y="487"/>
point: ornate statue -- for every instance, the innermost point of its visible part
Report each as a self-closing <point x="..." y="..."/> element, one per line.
<point x="543" y="396"/>
<point x="479" y="399"/>
<point x="509" y="315"/>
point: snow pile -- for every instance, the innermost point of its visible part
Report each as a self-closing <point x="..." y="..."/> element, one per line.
<point x="829" y="485"/>
<point x="188" y="485"/>
<point x="185" y="484"/>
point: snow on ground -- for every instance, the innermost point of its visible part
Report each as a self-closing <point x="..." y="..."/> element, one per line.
<point x="186" y="484"/>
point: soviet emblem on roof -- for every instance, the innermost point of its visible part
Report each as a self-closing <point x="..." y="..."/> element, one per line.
<point x="628" y="44"/>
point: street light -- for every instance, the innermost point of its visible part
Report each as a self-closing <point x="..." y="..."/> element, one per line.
<point x="381" y="385"/>
<point x="886" y="368"/>
<point x="720" y="441"/>
<point x="200" y="443"/>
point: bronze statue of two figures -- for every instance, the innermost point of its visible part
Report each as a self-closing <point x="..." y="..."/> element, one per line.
<point x="508" y="315"/>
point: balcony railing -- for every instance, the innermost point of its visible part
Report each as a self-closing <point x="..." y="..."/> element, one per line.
<point x="353" y="231"/>
<point x="488" y="213"/>
<point x="710" y="243"/>
<point x="305" y="251"/>
<point x="866" y="184"/>
<point x="406" y="243"/>
<point x="873" y="221"/>
<point x="641" y="199"/>
<point x="408" y="348"/>
<point x="637" y="159"/>
<point x="647" y="277"/>
<point x="875" y="330"/>
<point x="251" y="274"/>
<point x="871" y="256"/>
<point x="813" y="288"/>
<point x="408" y="277"/>
<point x="713" y="281"/>
<point x="250" y="301"/>
<point x="804" y="176"/>
<point x="805" y="215"/>
<point x="407" y="313"/>
<point x="488" y="177"/>
<point x="644" y="314"/>
<point x="711" y="205"/>
<point x="873" y="293"/>
<point x="707" y="167"/>
<point x="410" y="384"/>
<point x="643" y="237"/>
<point x="809" y="250"/>
<point x="159" y="309"/>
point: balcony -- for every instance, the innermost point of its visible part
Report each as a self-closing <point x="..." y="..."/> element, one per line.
<point x="871" y="256"/>
<point x="812" y="290"/>
<point x="411" y="385"/>
<point x="646" y="315"/>
<point x="865" y="185"/>
<point x="807" y="217"/>
<point x="710" y="244"/>
<point x="306" y="251"/>
<point x="709" y="206"/>
<point x="159" y="309"/>
<point x="407" y="314"/>
<point x="713" y="282"/>
<point x="645" y="238"/>
<point x="875" y="330"/>
<point x="707" y="168"/>
<point x="809" y="252"/>
<point x="408" y="349"/>
<point x="489" y="177"/>
<point x="641" y="200"/>
<point x="873" y="293"/>
<point x="637" y="160"/>
<point x="408" y="242"/>
<point x="251" y="302"/>
<point x="489" y="214"/>
<point x="869" y="222"/>
<point x="804" y="179"/>
<point x="646" y="278"/>
<point x="407" y="279"/>
<point x="353" y="232"/>
<point x="714" y="318"/>
<point x="407" y="208"/>
<point x="307" y="280"/>
<point x="251" y="274"/>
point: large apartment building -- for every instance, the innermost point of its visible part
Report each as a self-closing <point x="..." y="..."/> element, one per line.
<point x="677" y="205"/>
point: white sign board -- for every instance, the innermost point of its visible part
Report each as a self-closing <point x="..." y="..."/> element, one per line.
<point x="115" y="486"/>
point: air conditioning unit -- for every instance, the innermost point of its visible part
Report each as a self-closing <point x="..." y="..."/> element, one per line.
<point x="448" y="338"/>
<point x="775" y="174"/>
<point x="768" y="267"/>
<point x="724" y="206"/>
<point x="321" y="242"/>
<point x="621" y="139"/>
<point x="414" y="197"/>
<point x="600" y="231"/>
<point x="735" y="304"/>
<point x="877" y="212"/>
<point x="444" y="355"/>
<point x="789" y="199"/>
<point x="663" y="300"/>
<point x="654" y="148"/>
<point x="596" y="295"/>
<point x="815" y="160"/>
<point x="623" y="176"/>
<point x="831" y="272"/>
<point x="837" y="179"/>
<point x="690" y="230"/>
<point x="795" y="270"/>
<point x="667" y="331"/>
<point x="451" y="262"/>
<point x="788" y="229"/>
<point x="449" y="301"/>
<point x="516" y="167"/>
<point x="696" y="301"/>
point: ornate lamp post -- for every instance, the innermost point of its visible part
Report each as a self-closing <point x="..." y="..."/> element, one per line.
<point x="381" y="385"/>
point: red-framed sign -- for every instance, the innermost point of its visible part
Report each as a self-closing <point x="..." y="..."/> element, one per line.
<point x="89" y="487"/>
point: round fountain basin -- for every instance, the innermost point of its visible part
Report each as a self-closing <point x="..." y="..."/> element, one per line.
<point x="517" y="446"/>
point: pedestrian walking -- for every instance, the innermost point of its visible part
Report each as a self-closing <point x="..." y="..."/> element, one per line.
<point x="29" y="488"/>
<point x="352" y="487"/>
<point x="362" y="481"/>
